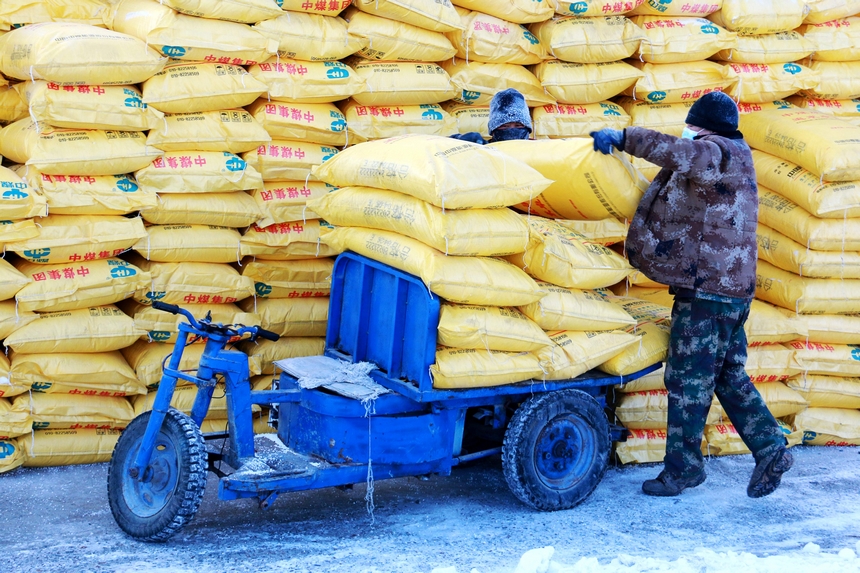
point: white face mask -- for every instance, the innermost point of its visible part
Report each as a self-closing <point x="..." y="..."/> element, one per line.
<point x="689" y="133"/>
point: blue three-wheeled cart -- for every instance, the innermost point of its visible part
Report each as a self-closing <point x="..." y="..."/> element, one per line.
<point x="336" y="421"/>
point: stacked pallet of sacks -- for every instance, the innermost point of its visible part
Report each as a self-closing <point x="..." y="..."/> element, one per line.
<point x="436" y="208"/>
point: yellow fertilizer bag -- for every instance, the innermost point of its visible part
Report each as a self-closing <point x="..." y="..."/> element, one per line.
<point x="485" y="38"/>
<point x="202" y="40"/>
<point x="806" y="295"/>
<point x="826" y="200"/>
<point x="397" y="41"/>
<point x="829" y="10"/>
<point x="161" y="326"/>
<point x="771" y="362"/>
<point x="785" y="216"/>
<point x="563" y="120"/>
<point x="827" y="391"/>
<point x="589" y="40"/>
<point x="189" y="243"/>
<point x="561" y="256"/>
<point x="667" y="118"/>
<point x="69" y="447"/>
<point x="8" y="388"/>
<point x="467" y="232"/>
<point x="830" y="328"/>
<point x="837" y="80"/>
<point x="284" y="201"/>
<point x="678" y="82"/>
<point x="199" y="172"/>
<point x="146" y="358"/>
<point x="88" y="107"/>
<point x="670" y="40"/>
<point x="643" y="447"/>
<point x="466" y="280"/>
<point x="471" y="368"/>
<point x="91" y="194"/>
<point x="676" y="8"/>
<point x="284" y="160"/>
<point x="234" y="209"/>
<point x="651" y="381"/>
<point x="17" y="230"/>
<point x="11" y="320"/>
<point x="519" y="11"/>
<point x="648" y="410"/>
<point x="652" y="347"/>
<point x="313" y="122"/>
<point x="402" y="83"/>
<point x="244" y="11"/>
<point x="184" y="88"/>
<point x="233" y="130"/>
<point x="789" y="255"/>
<point x="489" y="328"/>
<point x="603" y="232"/>
<point x="17" y="199"/>
<point x="767" y="323"/>
<point x="286" y="241"/>
<point x="290" y="279"/>
<point x="594" y="8"/>
<point x="656" y="295"/>
<point x="724" y="440"/>
<point x="577" y="352"/>
<point x="87" y="330"/>
<point x="834" y="41"/>
<point x="12" y="107"/>
<point x="847" y="109"/>
<point x="268" y="352"/>
<point x="290" y="316"/>
<point x="310" y="37"/>
<point x="74" y="238"/>
<point x="826" y="146"/>
<point x="367" y="122"/>
<point x="184" y="283"/>
<point x="76" y="54"/>
<point x="585" y="83"/>
<point x="757" y="83"/>
<point x="829" y="427"/>
<point x="306" y="82"/>
<point x="82" y="152"/>
<point x="642" y="310"/>
<point x="587" y="185"/>
<point x="826" y="359"/>
<point x="11" y="280"/>
<point x="760" y="17"/>
<point x="57" y="411"/>
<point x="328" y="8"/>
<point x="768" y="49"/>
<point x="780" y="399"/>
<point x="439" y="16"/>
<point x="78" y="285"/>
<point x="478" y="82"/>
<point x="573" y="309"/>
<point x="12" y="425"/>
<point x="101" y="375"/>
<point x="445" y="172"/>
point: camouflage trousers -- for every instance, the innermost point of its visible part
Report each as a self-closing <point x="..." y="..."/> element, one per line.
<point x="707" y="355"/>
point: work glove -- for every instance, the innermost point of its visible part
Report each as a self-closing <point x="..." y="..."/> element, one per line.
<point x="606" y="139"/>
<point x="472" y="136"/>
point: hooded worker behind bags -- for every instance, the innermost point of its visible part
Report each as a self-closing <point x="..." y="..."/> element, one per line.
<point x="695" y="230"/>
<point x="509" y="119"/>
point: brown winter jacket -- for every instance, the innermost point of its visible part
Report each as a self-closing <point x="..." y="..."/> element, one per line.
<point x="695" y="227"/>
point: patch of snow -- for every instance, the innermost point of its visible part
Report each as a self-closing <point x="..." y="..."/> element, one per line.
<point x="535" y="561"/>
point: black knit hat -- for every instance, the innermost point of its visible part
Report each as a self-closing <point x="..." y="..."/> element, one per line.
<point x="508" y="106"/>
<point x="715" y="111"/>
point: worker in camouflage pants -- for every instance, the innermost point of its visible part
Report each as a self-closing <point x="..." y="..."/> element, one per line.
<point x="695" y="230"/>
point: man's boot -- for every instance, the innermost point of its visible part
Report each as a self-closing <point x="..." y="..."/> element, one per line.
<point x="668" y="484"/>
<point x="768" y="473"/>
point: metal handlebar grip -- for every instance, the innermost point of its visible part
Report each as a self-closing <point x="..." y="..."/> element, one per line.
<point x="171" y="308"/>
<point x="267" y="334"/>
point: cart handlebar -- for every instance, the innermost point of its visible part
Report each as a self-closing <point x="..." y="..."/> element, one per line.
<point x="206" y="326"/>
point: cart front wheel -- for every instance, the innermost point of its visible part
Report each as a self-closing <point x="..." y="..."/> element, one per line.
<point x="156" y="507"/>
<point x="556" y="449"/>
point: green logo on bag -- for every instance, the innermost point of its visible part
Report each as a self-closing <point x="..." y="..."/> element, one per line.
<point x="338" y="125"/>
<point x="470" y="96"/>
<point x="173" y="51"/>
<point x="710" y="29"/>
<point x="655" y="97"/>
<point x="159" y="335"/>
<point x="432" y="115"/>
<point x="792" y="68"/>
<point x="15" y="194"/>
<point x="578" y="7"/>
<point x="262" y="289"/>
<point x="126" y="185"/>
<point x="531" y="38"/>
<point x="7" y="449"/>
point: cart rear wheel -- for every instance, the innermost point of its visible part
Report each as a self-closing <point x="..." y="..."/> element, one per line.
<point x="556" y="449"/>
<point x="156" y="508"/>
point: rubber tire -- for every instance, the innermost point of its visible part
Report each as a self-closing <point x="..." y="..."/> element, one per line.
<point x="519" y="451"/>
<point x="190" y="464"/>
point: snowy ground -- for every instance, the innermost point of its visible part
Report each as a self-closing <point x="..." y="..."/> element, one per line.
<point x="57" y="520"/>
